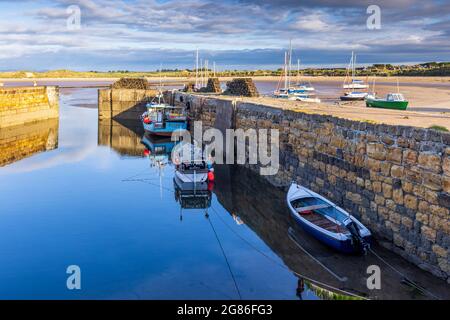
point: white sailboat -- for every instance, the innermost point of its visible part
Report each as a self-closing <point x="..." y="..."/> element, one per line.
<point x="298" y="92"/>
<point x="354" y="83"/>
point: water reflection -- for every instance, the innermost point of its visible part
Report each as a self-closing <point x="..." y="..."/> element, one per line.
<point x="99" y="201"/>
<point x="123" y="136"/>
<point x="19" y="142"/>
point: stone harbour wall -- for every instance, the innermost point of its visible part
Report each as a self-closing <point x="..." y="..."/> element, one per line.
<point x="127" y="104"/>
<point x="26" y="104"/>
<point x="395" y="179"/>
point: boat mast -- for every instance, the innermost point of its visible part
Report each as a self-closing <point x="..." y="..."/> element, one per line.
<point x="290" y="62"/>
<point x="285" y="71"/>
<point x="196" y="70"/>
<point x="298" y="71"/>
<point x="353" y="65"/>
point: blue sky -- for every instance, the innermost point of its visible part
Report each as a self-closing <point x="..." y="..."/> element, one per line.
<point x="236" y="34"/>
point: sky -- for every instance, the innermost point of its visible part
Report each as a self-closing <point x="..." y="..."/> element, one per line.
<point x="235" y="34"/>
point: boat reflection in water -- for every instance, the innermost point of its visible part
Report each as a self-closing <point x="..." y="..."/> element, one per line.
<point x="158" y="149"/>
<point x="193" y="195"/>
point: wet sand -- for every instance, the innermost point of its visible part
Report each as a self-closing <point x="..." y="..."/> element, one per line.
<point x="429" y="97"/>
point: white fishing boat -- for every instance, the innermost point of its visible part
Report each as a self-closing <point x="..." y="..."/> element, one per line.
<point x="353" y="83"/>
<point x="191" y="166"/>
<point x="327" y="222"/>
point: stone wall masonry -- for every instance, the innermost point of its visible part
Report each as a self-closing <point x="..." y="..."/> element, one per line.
<point x="395" y="179"/>
<point x="26" y="104"/>
<point x="127" y="104"/>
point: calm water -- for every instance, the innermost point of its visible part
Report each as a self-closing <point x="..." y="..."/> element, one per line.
<point x="70" y="206"/>
<point x="93" y="199"/>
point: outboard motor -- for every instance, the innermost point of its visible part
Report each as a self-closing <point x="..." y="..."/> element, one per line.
<point x="358" y="242"/>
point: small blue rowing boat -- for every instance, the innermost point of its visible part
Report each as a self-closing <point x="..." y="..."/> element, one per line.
<point x="326" y="222"/>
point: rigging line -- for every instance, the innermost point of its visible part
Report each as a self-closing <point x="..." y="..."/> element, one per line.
<point x="405" y="277"/>
<point x="283" y="266"/>
<point x="226" y="259"/>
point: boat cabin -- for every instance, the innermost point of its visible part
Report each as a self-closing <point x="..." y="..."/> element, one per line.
<point x="395" y="97"/>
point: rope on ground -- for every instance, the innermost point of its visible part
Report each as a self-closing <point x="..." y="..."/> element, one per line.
<point x="294" y="240"/>
<point x="405" y="277"/>
<point x="285" y="267"/>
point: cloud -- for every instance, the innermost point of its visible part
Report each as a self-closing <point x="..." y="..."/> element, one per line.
<point x="118" y="32"/>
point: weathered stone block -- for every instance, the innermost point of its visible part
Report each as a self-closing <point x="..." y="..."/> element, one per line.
<point x="430" y="161"/>
<point x="410" y="201"/>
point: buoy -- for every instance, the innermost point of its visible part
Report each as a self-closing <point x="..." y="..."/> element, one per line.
<point x="211" y="169"/>
<point x="211" y="176"/>
<point x="210" y="186"/>
<point x="146" y="152"/>
<point x="147" y="120"/>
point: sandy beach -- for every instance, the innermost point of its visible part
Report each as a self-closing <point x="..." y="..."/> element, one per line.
<point x="425" y="94"/>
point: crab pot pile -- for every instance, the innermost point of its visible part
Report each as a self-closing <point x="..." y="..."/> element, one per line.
<point x="213" y="86"/>
<point x="189" y="87"/>
<point x="241" y="87"/>
<point x="131" y="83"/>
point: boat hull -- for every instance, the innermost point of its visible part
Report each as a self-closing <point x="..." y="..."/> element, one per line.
<point x="396" y="105"/>
<point x="165" y="131"/>
<point x="344" y="246"/>
<point x="347" y="98"/>
<point x="198" y="177"/>
<point x="341" y="242"/>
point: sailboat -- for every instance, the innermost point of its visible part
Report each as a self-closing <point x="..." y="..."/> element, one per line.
<point x="392" y="100"/>
<point x="298" y="92"/>
<point x="354" y="83"/>
<point x="302" y="87"/>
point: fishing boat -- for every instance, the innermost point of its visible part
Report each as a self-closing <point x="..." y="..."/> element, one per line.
<point x="394" y="101"/>
<point x="163" y="120"/>
<point x="353" y="83"/>
<point x="327" y="222"/>
<point x="354" y="96"/>
<point x="191" y="165"/>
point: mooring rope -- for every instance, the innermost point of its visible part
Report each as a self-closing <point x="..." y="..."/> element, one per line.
<point x="226" y="259"/>
<point x="330" y="287"/>
<point x="294" y="240"/>
<point x="405" y="277"/>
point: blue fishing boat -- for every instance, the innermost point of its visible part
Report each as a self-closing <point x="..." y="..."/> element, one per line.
<point x="162" y="119"/>
<point x="327" y="222"/>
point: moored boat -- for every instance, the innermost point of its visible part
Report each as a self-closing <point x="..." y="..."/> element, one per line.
<point x="354" y="96"/>
<point x="295" y="92"/>
<point x="392" y="101"/>
<point x="191" y="166"/>
<point x="351" y="74"/>
<point x="326" y="222"/>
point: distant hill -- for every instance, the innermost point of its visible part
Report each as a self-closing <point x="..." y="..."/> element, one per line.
<point x="380" y="70"/>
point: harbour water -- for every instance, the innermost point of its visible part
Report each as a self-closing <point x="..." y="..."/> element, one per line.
<point x="96" y="201"/>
